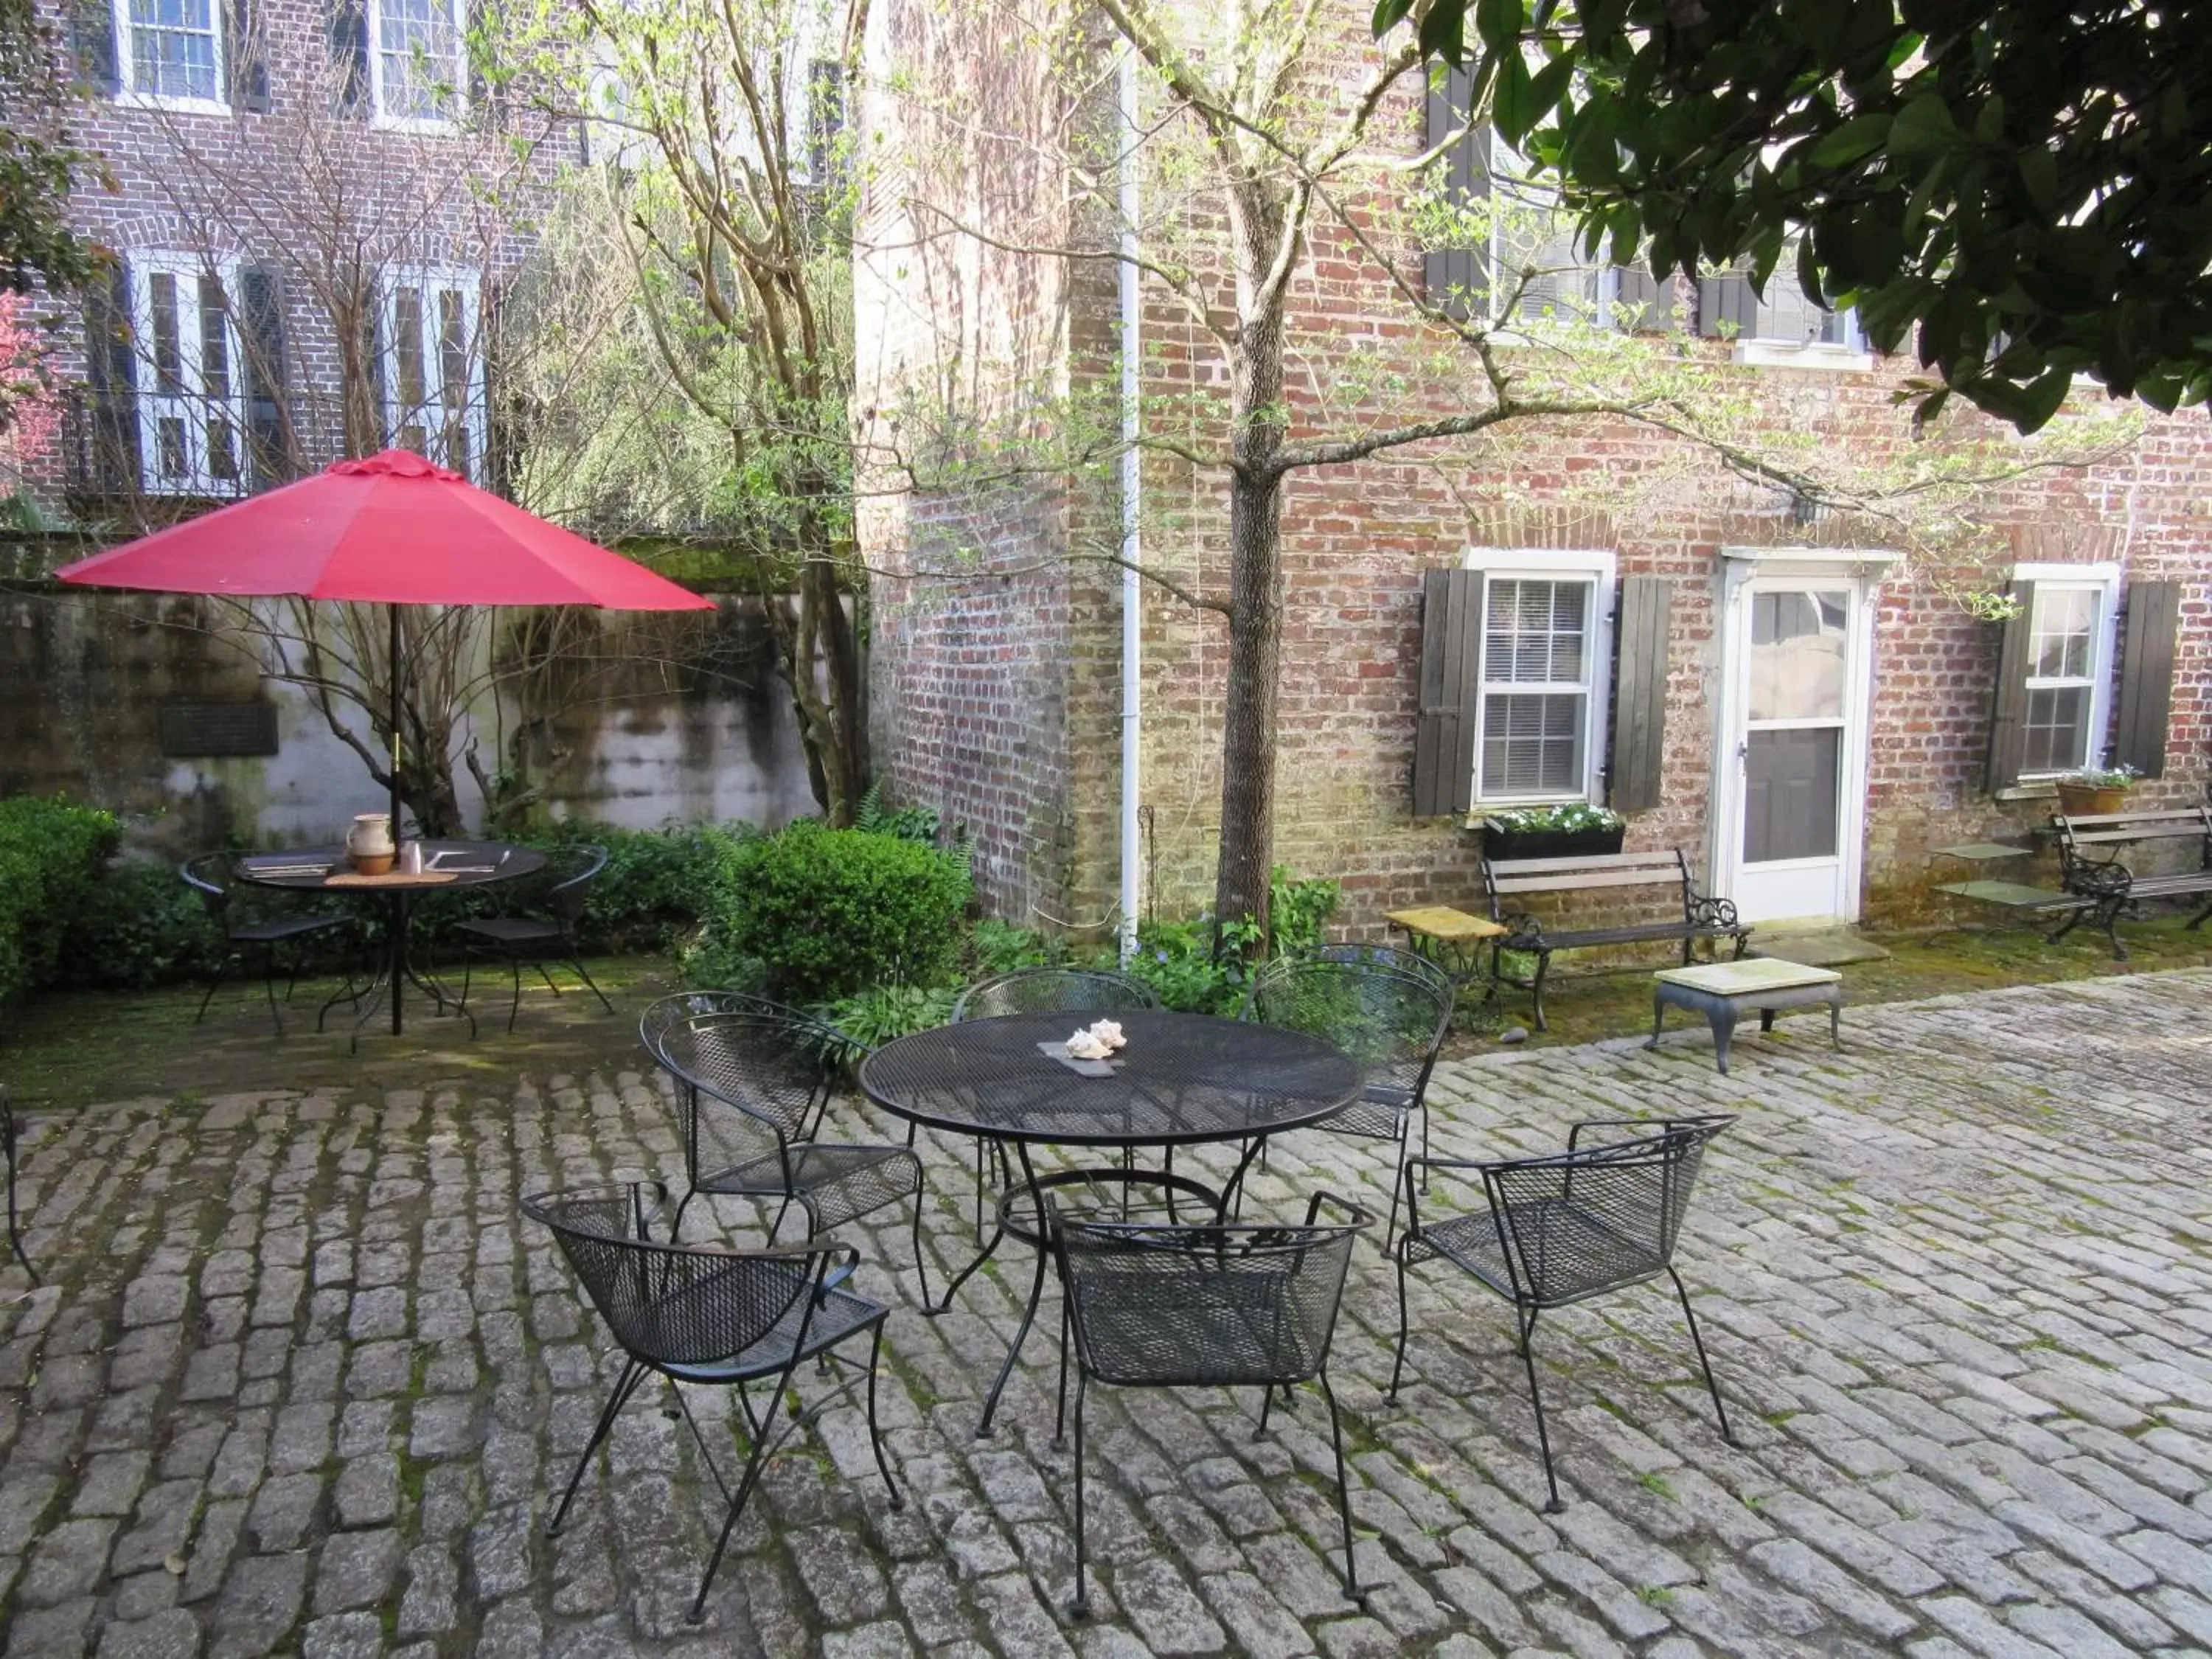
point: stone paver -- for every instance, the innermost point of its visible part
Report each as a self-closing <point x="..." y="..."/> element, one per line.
<point x="300" y="1380"/>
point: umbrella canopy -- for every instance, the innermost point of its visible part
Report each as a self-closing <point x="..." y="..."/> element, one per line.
<point x="391" y="529"/>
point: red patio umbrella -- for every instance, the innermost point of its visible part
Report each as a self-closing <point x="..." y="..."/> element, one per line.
<point x="391" y="530"/>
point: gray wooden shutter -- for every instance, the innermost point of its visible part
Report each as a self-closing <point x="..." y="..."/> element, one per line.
<point x="91" y="42"/>
<point x="1455" y="279"/>
<point x="1727" y="300"/>
<point x="349" y="58"/>
<point x="269" y="426"/>
<point x="245" y="47"/>
<point x="1451" y="646"/>
<point x="2009" y="715"/>
<point x="1639" y="693"/>
<point x="110" y="362"/>
<point x="1648" y="299"/>
<point x="2147" y="676"/>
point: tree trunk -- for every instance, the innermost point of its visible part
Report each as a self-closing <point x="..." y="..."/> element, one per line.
<point x="1255" y="613"/>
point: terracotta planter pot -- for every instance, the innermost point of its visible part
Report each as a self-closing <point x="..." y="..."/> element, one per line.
<point x="2087" y="800"/>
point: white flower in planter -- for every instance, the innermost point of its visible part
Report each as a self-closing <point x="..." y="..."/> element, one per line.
<point x="1084" y="1045"/>
<point x="1108" y="1032"/>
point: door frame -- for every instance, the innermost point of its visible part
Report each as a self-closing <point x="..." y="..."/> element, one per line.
<point x="1861" y="570"/>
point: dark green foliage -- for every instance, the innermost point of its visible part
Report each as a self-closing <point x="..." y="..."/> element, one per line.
<point x="829" y="913"/>
<point x="2017" y="186"/>
<point x="655" y="887"/>
<point x="996" y="947"/>
<point x="51" y="854"/>
<point x="142" y="925"/>
<point x="870" y="1019"/>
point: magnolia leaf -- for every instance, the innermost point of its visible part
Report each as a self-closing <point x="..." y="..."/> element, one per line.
<point x="1923" y="127"/>
<point x="1855" y="140"/>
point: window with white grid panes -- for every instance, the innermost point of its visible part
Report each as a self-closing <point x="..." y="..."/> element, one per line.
<point x="172" y="51"/>
<point x="2058" y="729"/>
<point x="1537" y="708"/>
<point x="191" y="391"/>
<point x="434" y="369"/>
<point x="421" y="70"/>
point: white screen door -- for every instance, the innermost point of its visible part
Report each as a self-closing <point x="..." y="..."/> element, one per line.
<point x="1793" y="740"/>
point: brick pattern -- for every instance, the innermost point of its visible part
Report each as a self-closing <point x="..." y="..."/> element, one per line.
<point x="302" y="1380"/>
<point x="325" y="200"/>
<point x="1357" y="540"/>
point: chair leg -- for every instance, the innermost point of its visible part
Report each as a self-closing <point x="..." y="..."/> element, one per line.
<point x="1079" y="1607"/>
<point x="1398" y="1365"/>
<point x="576" y="963"/>
<point x="1536" y="1396"/>
<point x="1060" y="1413"/>
<point x="625" y="1385"/>
<point x="1397" y="1177"/>
<point x="920" y="1261"/>
<point x="14" y="1237"/>
<point x="269" y="985"/>
<point x="1343" y="1493"/>
<point x="751" y="1479"/>
<point x="1698" y="1342"/>
<point x="514" y="1007"/>
<point x="1536" y="989"/>
<point x="875" y="1434"/>
<point x="221" y="973"/>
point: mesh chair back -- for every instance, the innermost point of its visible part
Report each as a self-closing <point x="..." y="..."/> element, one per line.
<point x="768" y="1065"/>
<point x="1389" y="1019"/>
<point x="1210" y="1306"/>
<point x="1052" y="990"/>
<point x="1574" y="1223"/>
<point x="1389" y="958"/>
<point x="570" y="893"/>
<point x="203" y="875"/>
<point x="672" y="1304"/>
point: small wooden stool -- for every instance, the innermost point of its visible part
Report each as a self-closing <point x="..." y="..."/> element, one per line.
<point x="1722" y="990"/>
<point x="1451" y="939"/>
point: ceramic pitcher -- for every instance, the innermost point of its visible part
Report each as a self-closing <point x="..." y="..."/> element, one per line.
<point x="369" y="846"/>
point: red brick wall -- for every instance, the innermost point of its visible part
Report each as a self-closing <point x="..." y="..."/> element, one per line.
<point x="1356" y="541"/>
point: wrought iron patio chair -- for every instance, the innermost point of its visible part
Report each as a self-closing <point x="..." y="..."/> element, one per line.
<point x="1389" y="1010"/>
<point x="773" y="1068"/>
<point x="1040" y="991"/>
<point x="716" y="1317"/>
<point x="7" y="1147"/>
<point x="1567" y="1226"/>
<point x="1154" y="1306"/>
<point x="205" y="876"/>
<point x="539" y="939"/>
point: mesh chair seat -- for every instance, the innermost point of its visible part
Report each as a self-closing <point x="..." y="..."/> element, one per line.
<point x="1379" y="1114"/>
<point x="270" y="932"/>
<point x="837" y="1184"/>
<point x="1563" y="1252"/>
<point x="836" y="1316"/>
<point x="511" y="930"/>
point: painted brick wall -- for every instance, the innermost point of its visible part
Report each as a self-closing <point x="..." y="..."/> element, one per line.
<point x="1357" y="540"/>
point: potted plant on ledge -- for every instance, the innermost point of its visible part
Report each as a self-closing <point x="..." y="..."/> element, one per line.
<point x="1572" y="830"/>
<point x="2096" y="789"/>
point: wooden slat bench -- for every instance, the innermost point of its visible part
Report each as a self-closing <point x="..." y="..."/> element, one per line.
<point x="1507" y="879"/>
<point x="2090" y="849"/>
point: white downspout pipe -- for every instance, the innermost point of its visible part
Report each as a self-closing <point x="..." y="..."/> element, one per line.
<point x="1133" y="597"/>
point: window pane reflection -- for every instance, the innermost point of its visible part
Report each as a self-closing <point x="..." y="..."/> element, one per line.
<point x="1797" y="655"/>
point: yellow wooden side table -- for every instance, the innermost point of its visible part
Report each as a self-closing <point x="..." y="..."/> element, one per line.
<point x="1452" y="940"/>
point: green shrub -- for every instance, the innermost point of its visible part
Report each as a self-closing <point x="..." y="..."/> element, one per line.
<point x="140" y="926"/>
<point x="996" y="947"/>
<point x="872" y="1018"/>
<point x="51" y="854"/>
<point x="657" y="882"/>
<point x="829" y="913"/>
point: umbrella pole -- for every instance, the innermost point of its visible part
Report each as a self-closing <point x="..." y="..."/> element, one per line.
<point x="397" y="916"/>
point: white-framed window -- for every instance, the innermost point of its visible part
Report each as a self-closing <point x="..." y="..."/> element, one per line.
<point x="170" y="54"/>
<point x="1545" y="652"/>
<point x="418" y="63"/>
<point x="191" y="376"/>
<point x="2070" y="618"/>
<point x="432" y="337"/>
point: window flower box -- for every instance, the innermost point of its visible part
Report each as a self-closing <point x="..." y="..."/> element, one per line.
<point x="1574" y="830"/>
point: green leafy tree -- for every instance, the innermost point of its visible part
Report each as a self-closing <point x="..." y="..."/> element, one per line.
<point x="39" y="160"/>
<point x="2019" y="186"/>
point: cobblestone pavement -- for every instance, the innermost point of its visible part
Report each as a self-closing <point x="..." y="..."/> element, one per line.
<point x="300" y="1380"/>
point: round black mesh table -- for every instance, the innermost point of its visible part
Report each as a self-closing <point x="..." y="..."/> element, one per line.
<point x="1183" y="1079"/>
<point x="447" y="865"/>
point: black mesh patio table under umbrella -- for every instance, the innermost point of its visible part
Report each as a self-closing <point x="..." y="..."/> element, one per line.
<point x="393" y="530"/>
